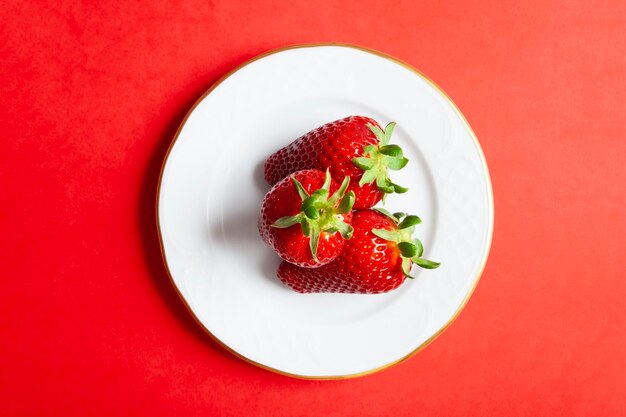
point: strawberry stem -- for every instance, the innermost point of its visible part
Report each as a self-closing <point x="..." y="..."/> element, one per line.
<point x="320" y="213"/>
<point x="376" y="161"/>
<point x="411" y="249"/>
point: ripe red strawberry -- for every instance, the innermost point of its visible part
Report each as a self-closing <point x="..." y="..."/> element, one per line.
<point x="355" y="146"/>
<point x="376" y="259"/>
<point x="303" y="222"/>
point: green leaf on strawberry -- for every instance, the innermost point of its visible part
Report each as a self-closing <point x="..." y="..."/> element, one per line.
<point x="321" y="213"/>
<point x="376" y="161"/>
<point x="411" y="249"/>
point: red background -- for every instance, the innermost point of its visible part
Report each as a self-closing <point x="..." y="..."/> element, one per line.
<point x="91" y="96"/>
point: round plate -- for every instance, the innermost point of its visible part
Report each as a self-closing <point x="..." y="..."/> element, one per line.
<point x="212" y="185"/>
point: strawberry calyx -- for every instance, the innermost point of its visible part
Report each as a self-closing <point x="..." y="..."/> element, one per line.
<point x="321" y="212"/>
<point x="377" y="160"/>
<point x="411" y="249"/>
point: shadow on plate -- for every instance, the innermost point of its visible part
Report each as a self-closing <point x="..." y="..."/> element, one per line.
<point x="238" y="231"/>
<point x="150" y="239"/>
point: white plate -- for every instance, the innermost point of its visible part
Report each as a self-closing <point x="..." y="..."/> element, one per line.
<point x="212" y="185"/>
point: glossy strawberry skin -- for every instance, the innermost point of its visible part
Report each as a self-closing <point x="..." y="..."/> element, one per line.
<point x="368" y="264"/>
<point x="290" y="243"/>
<point x="331" y="146"/>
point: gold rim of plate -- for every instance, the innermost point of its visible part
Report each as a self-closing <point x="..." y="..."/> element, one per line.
<point x="485" y="170"/>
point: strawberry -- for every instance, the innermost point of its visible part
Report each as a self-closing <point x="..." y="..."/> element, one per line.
<point x="304" y="199"/>
<point x="377" y="259"/>
<point x="355" y="146"/>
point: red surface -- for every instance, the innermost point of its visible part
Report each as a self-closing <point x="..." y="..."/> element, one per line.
<point x="91" y="96"/>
